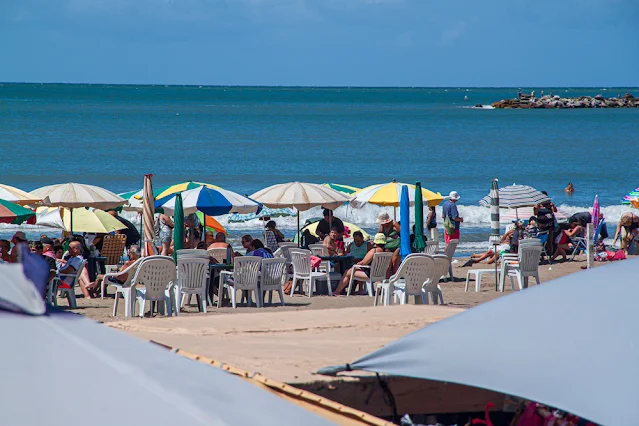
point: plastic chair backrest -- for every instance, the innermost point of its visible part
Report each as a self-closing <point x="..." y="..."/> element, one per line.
<point x="112" y="248"/>
<point x="440" y="269"/>
<point x="270" y="241"/>
<point x="156" y="273"/>
<point x="219" y="254"/>
<point x="379" y="266"/>
<point x="301" y="260"/>
<point x="192" y="272"/>
<point x="416" y="270"/>
<point x="246" y="270"/>
<point x="530" y="242"/>
<point x="78" y="272"/>
<point x="529" y="258"/>
<point x="432" y="247"/>
<point x="272" y="272"/>
<point x="287" y="244"/>
<point x="318" y="249"/>
<point x="192" y="254"/>
<point x="450" y="249"/>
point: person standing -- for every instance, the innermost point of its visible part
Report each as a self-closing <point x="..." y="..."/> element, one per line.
<point x="325" y="225"/>
<point x="545" y="213"/>
<point x="451" y="215"/>
<point x="431" y="223"/>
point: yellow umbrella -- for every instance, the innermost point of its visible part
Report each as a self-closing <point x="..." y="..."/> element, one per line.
<point x="96" y="221"/>
<point x="388" y="194"/>
<point x="312" y="227"/>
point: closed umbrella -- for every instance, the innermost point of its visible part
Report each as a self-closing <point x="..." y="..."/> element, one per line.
<point x="419" y="244"/>
<point x="15" y="214"/>
<point x="404" y="212"/>
<point x="148" y="219"/>
<point x="571" y="343"/>
<point x="213" y="202"/>
<point x="495" y="234"/>
<point x="595" y="213"/>
<point x="15" y="195"/>
<point x="75" y="195"/>
<point x="300" y="196"/>
<point x="178" y="228"/>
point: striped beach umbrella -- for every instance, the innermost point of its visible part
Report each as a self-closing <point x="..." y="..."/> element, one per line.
<point x="631" y="196"/>
<point x="210" y="201"/>
<point x="508" y="215"/>
<point x="15" y="214"/>
<point x="346" y="189"/>
<point x="388" y="194"/>
<point x="595" y="213"/>
<point x="495" y="236"/>
<point x="148" y="217"/>
<point x="265" y="212"/>
<point x="516" y="196"/>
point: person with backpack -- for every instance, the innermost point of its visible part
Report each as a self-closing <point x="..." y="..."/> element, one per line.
<point x="452" y="220"/>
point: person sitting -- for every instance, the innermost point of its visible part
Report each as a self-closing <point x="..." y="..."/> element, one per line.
<point x="331" y="243"/>
<point x="325" y="226"/>
<point x="257" y="248"/>
<point x="531" y="230"/>
<point x="201" y="245"/>
<point x="504" y="247"/>
<point x="358" y="248"/>
<point x="69" y="265"/>
<point x="220" y="242"/>
<point x="379" y="243"/>
<point x="44" y="247"/>
<point x="272" y="226"/>
<point x="5" y="248"/>
<point x="246" y="243"/>
<point x="18" y="239"/>
<point x="563" y="240"/>
<point x="94" y="287"/>
<point x="209" y="238"/>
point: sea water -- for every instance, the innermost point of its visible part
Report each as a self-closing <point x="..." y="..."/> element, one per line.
<point x="246" y="138"/>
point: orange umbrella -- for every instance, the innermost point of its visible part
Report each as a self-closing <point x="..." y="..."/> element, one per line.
<point x="210" y="224"/>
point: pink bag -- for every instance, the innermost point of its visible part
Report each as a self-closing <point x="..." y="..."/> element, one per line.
<point x="620" y="255"/>
<point x="315" y="262"/>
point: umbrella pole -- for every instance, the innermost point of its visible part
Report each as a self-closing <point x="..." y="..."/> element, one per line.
<point x="299" y="237"/>
<point x="71" y="230"/>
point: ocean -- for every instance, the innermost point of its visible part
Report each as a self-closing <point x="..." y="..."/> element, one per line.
<point x="246" y="138"/>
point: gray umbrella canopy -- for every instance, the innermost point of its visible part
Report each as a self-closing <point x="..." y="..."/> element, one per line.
<point x="572" y="343"/>
<point x="516" y="196"/>
<point x="63" y="369"/>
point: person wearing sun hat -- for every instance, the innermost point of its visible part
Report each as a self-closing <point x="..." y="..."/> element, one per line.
<point x="449" y="210"/>
<point x="379" y="243"/>
<point x="387" y="226"/>
<point x="17" y="239"/>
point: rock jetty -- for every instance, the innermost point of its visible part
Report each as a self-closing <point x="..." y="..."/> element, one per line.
<point x="529" y="102"/>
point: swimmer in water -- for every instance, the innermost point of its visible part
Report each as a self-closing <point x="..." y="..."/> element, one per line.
<point x="570" y="189"/>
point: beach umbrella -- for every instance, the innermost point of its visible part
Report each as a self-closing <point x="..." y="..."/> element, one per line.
<point x="574" y="346"/>
<point x="265" y="212"/>
<point x="508" y="215"/>
<point x="15" y="214"/>
<point x="516" y="196"/>
<point x="17" y="196"/>
<point x="163" y="387"/>
<point x="595" y="213"/>
<point x="388" y="194"/>
<point x="165" y="191"/>
<point x="495" y="234"/>
<point x="404" y="212"/>
<point x="209" y="223"/>
<point x="178" y="228"/>
<point x="312" y="228"/>
<point x="346" y="189"/>
<point x="300" y="196"/>
<point x="148" y="219"/>
<point x="632" y="195"/>
<point x="93" y="221"/>
<point x="419" y="244"/>
<point x="213" y="202"/>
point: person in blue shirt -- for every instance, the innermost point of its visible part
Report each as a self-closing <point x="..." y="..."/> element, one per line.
<point x="257" y="249"/>
<point x="449" y="209"/>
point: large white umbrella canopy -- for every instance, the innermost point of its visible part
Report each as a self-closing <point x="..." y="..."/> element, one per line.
<point x="73" y="195"/>
<point x="18" y="196"/>
<point x="300" y="196"/>
<point x="572" y="343"/>
<point x="516" y="196"/>
<point x="94" y="221"/>
<point x="213" y="202"/>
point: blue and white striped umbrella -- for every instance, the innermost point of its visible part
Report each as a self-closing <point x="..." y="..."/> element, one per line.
<point x="265" y="212"/>
<point x="516" y="196"/>
<point x="212" y="202"/>
<point x="494" y="213"/>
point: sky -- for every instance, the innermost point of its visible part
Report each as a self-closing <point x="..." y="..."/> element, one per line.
<point x="451" y="43"/>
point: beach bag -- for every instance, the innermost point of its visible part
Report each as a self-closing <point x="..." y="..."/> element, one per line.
<point x="449" y="226"/>
<point x="315" y="262"/>
<point x="288" y="286"/>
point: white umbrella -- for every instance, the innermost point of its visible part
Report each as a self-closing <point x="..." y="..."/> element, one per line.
<point x="300" y="196"/>
<point x="212" y="202"/>
<point x="74" y="195"/>
<point x="18" y="196"/>
<point x="524" y="213"/>
<point x="517" y="196"/>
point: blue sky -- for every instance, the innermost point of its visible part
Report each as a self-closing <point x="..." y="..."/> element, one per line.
<point x="322" y="42"/>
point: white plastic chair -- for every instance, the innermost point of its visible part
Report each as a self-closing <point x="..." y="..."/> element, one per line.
<point x="440" y="267"/>
<point x="197" y="254"/>
<point x="378" y="267"/>
<point x="59" y="285"/>
<point x="288" y="244"/>
<point x="271" y="278"/>
<point x="450" y="252"/>
<point x="124" y="288"/>
<point x="301" y="260"/>
<point x="525" y="265"/>
<point x="415" y="271"/>
<point x="320" y="250"/>
<point x="245" y="276"/>
<point x="219" y="254"/>
<point x="192" y="276"/>
<point x="158" y="275"/>
<point x="432" y="247"/>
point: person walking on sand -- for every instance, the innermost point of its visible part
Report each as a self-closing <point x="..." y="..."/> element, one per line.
<point x="452" y="220"/>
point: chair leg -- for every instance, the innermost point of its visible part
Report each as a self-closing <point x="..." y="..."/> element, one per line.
<point x="537" y="279"/>
<point x="311" y="282"/>
<point x="502" y="279"/>
<point x="450" y="272"/>
<point x="204" y="302"/>
<point x="377" y="288"/>
<point x="467" y="279"/>
<point x="281" y="292"/>
<point x="440" y="294"/>
<point x="142" y="303"/>
<point x="71" y="296"/>
<point x="233" y="295"/>
<point x="115" y="303"/>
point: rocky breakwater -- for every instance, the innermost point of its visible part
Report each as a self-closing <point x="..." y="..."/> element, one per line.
<point x="529" y="102"/>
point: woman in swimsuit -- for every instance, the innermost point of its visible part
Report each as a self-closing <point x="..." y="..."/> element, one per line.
<point x="627" y="229"/>
<point x="362" y="274"/>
